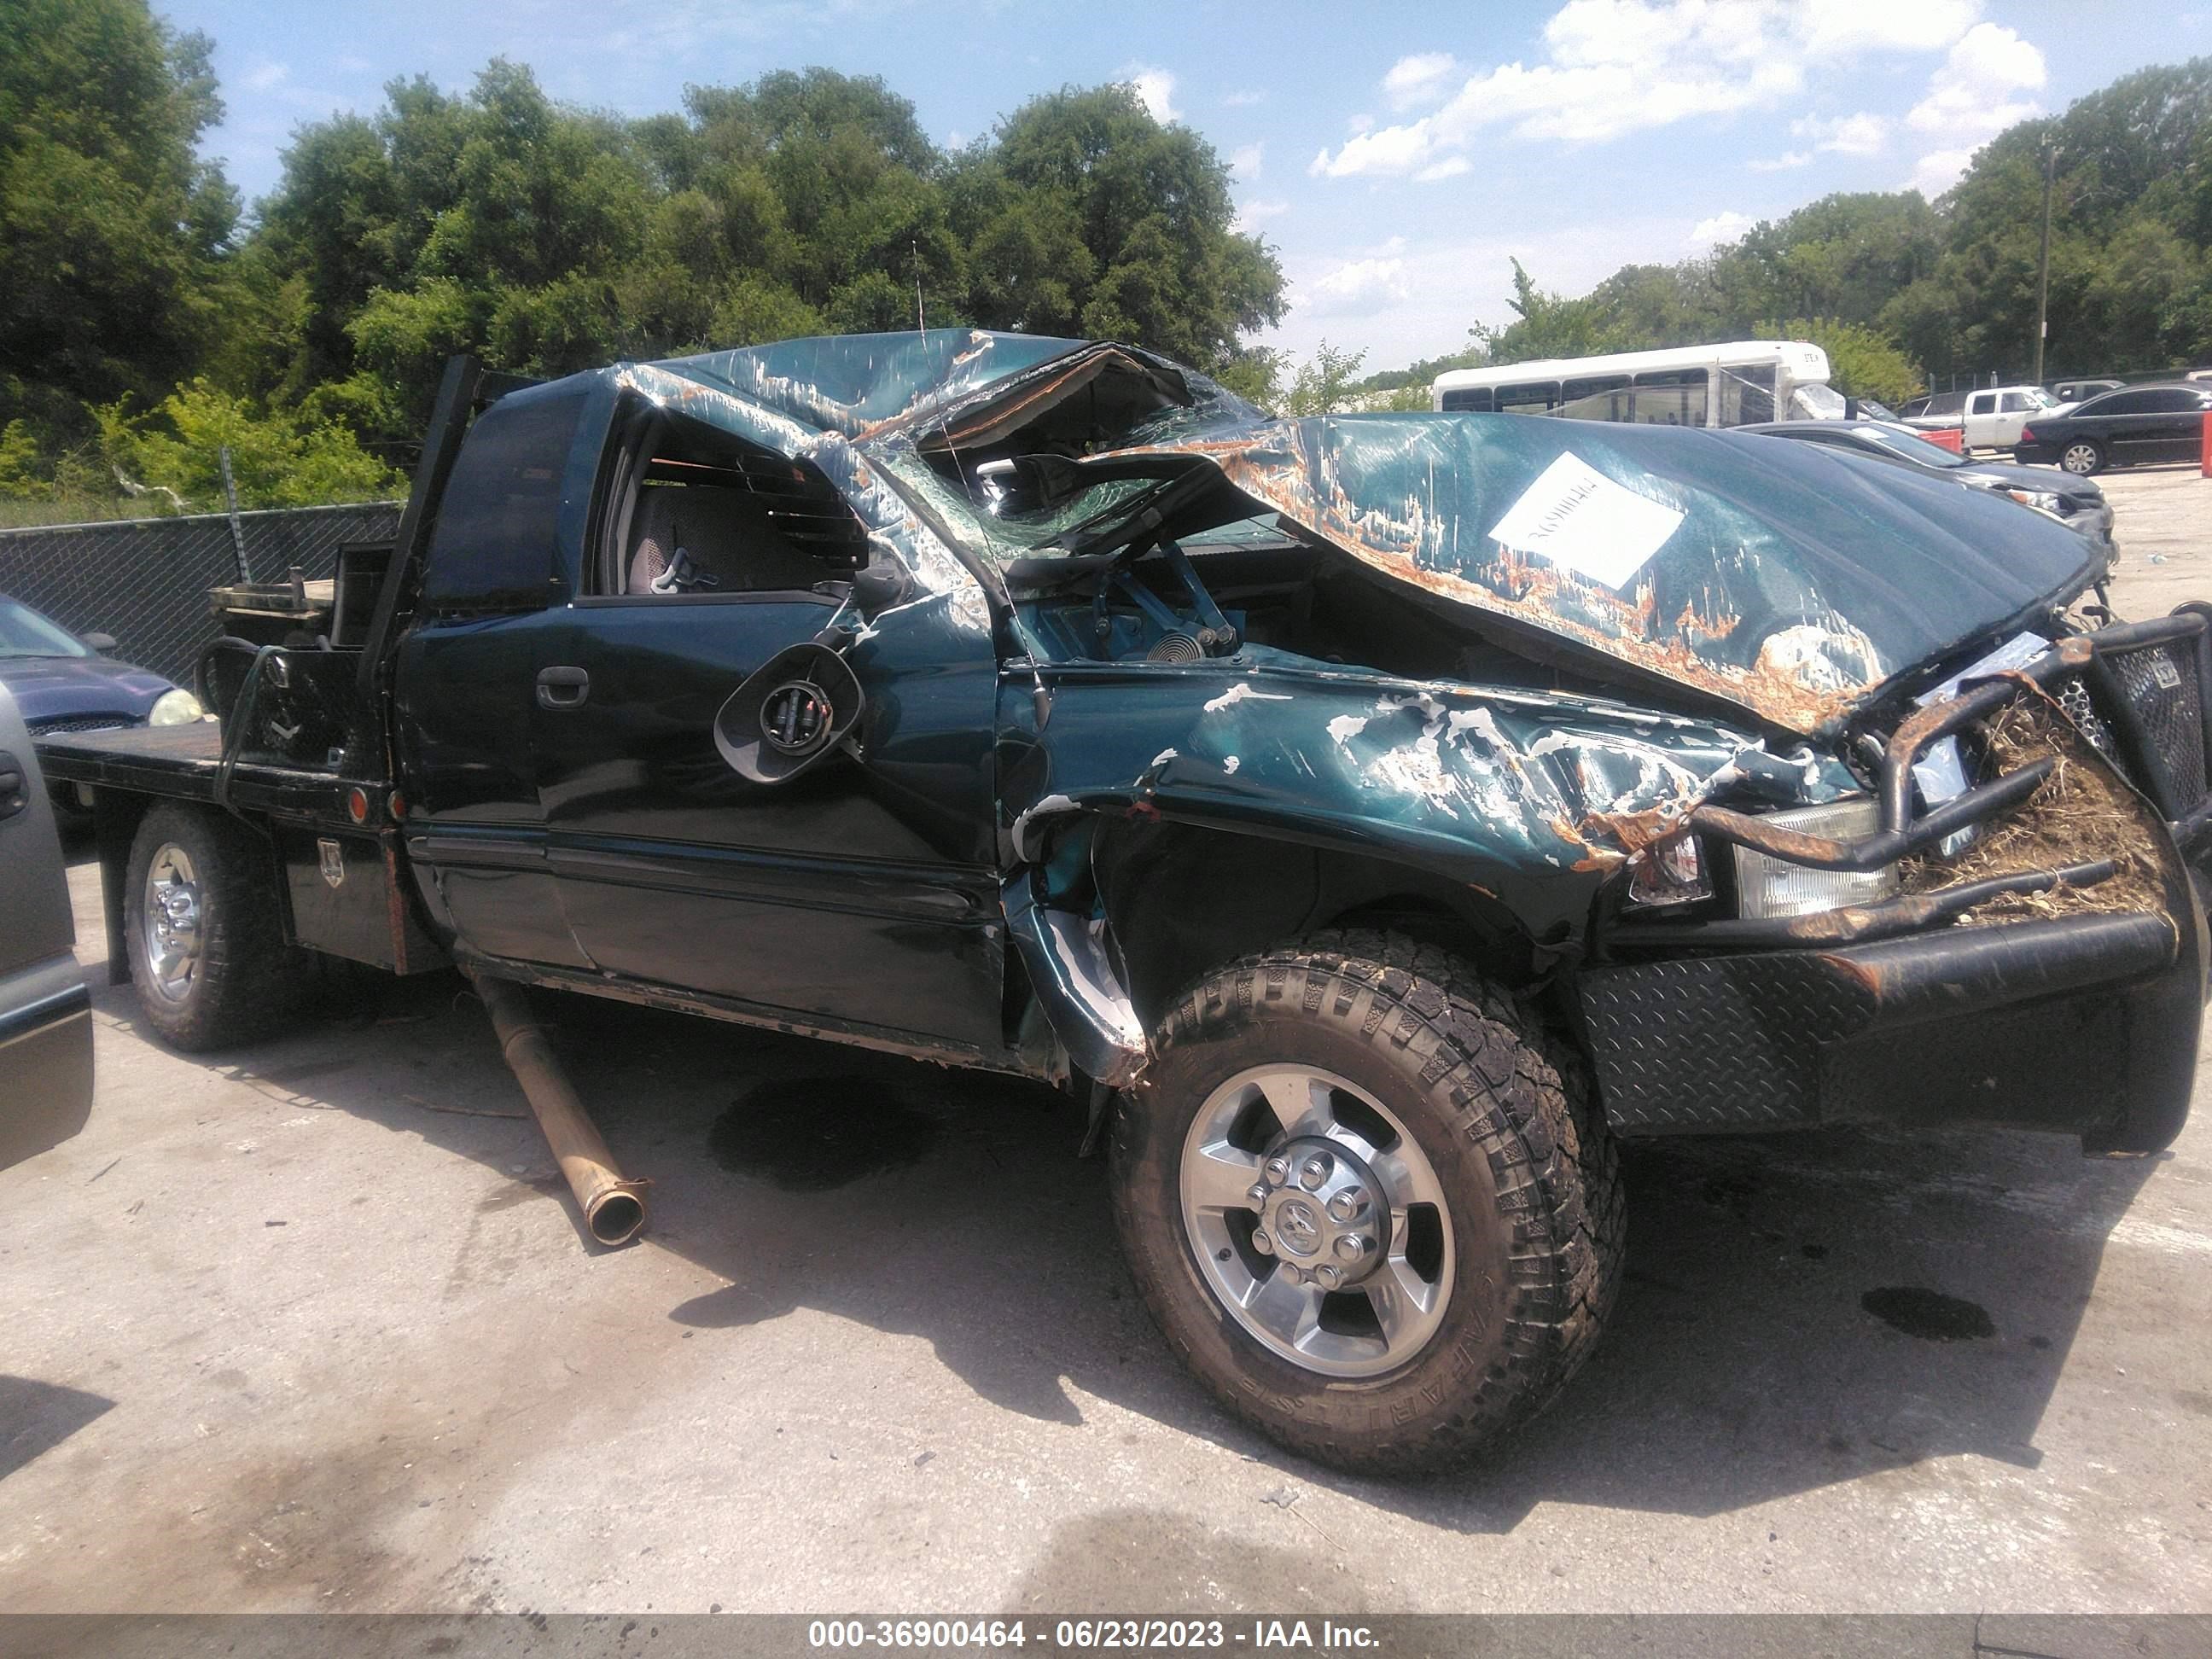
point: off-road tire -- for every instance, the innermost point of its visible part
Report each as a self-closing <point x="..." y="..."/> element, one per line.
<point x="1502" y="1111"/>
<point x="248" y="982"/>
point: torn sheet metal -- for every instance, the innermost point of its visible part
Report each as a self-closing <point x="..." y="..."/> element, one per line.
<point x="890" y="521"/>
<point x="1077" y="984"/>
<point x="1536" y="799"/>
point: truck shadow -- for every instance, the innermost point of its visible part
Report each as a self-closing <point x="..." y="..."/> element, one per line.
<point x="1798" y="1310"/>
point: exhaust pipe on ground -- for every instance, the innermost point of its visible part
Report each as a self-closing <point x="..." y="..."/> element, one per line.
<point x="614" y="1209"/>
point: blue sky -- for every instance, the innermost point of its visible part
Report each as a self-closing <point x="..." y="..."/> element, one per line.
<point x="1396" y="157"/>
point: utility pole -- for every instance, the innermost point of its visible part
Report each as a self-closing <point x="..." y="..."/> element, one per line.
<point x="2042" y="264"/>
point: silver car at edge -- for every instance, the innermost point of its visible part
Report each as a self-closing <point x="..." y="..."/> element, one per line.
<point x="46" y="1009"/>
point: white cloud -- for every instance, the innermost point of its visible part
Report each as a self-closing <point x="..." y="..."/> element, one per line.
<point x="1446" y="281"/>
<point x="1156" y="87"/>
<point x="1973" y="93"/>
<point x="1245" y="161"/>
<point x="1420" y="78"/>
<point x="1245" y="98"/>
<point x="1938" y="170"/>
<point x="1721" y="227"/>
<point x="1851" y="26"/>
<point x="1450" y="168"/>
<point x="1614" y="67"/>
<point x="1253" y="214"/>
<point x="1787" y="159"/>
<point x="1862" y="134"/>
<point x="1360" y="288"/>
<point x="265" y="76"/>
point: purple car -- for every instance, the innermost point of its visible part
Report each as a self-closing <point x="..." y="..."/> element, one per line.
<point x="63" y="683"/>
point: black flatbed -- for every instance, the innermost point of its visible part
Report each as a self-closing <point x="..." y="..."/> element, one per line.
<point x="182" y="763"/>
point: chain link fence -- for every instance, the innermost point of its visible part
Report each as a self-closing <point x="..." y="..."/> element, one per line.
<point x="146" y="580"/>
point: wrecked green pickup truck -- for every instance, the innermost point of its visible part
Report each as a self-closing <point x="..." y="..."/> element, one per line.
<point x="1368" y="819"/>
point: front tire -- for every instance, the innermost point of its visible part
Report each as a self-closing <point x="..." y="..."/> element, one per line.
<point x="1359" y="1203"/>
<point x="2081" y="458"/>
<point x="205" y="934"/>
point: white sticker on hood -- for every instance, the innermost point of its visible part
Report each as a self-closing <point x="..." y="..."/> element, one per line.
<point x="1583" y="522"/>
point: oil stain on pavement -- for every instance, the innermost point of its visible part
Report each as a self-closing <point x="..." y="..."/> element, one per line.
<point x="811" y="1134"/>
<point x="1928" y="1313"/>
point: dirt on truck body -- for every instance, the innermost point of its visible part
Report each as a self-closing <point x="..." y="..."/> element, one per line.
<point x="1368" y="819"/>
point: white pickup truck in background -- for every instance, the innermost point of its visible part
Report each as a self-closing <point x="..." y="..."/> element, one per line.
<point x="1991" y="415"/>
<point x="1994" y="414"/>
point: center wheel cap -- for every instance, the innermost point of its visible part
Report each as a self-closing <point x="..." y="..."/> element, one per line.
<point x="1322" y="1213"/>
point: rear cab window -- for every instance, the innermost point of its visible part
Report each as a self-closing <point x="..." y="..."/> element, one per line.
<point x="514" y="511"/>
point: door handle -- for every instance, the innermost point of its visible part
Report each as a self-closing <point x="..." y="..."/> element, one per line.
<point x="13" y="799"/>
<point x="562" y="688"/>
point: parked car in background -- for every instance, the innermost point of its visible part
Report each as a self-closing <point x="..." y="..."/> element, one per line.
<point x="2075" y="391"/>
<point x="2135" y="426"/>
<point x="2078" y="503"/>
<point x="62" y="682"/>
<point x="45" y="1012"/>
<point x="1994" y="416"/>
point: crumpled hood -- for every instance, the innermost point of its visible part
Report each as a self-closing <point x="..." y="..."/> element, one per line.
<point x="1787" y="579"/>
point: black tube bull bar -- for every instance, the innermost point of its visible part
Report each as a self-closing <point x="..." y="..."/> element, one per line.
<point x="2137" y="691"/>
<point x="2083" y="1024"/>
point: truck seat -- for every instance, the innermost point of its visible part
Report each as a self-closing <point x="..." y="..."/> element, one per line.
<point x="726" y="537"/>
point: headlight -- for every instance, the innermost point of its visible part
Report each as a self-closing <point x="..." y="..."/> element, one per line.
<point x="176" y="707"/>
<point x="2042" y="501"/>
<point x="1769" y="887"/>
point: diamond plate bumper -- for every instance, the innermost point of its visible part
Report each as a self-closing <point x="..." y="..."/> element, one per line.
<point x="2087" y="1025"/>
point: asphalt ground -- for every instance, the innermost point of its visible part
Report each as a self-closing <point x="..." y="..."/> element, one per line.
<point x="311" y="1327"/>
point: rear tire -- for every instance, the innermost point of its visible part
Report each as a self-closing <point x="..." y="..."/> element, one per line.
<point x="206" y="933"/>
<point x="2081" y="458"/>
<point x="1393" y="1040"/>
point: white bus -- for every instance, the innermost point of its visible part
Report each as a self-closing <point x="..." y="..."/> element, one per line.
<point x="1740" y="383"/>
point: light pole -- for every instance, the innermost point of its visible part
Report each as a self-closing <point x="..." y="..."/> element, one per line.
<point x="2042" y="264"/>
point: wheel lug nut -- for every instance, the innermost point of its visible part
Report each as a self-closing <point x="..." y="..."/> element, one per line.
<point x="1353" y="1246"/>
<point x="1259" y="1192"/>
<point x="1314" y="1171"/>
<point x="1346" y="1207"/>
<point x="1261" y="1242"/>
<point x="1278" y="1170"/>
<point x="1329" y="1277"/>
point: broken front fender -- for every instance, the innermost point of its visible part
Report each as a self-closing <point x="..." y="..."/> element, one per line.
<point x="1531" y="799"/>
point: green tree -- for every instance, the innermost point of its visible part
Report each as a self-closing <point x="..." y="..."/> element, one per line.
<point x="1549" y="325"/>
<point x="277" y="459"/>
<point x="1324" y="385"/>
<point x="1161" y="266"/>
<point x="111" y="232"/>
<point x="1862" y="361"/>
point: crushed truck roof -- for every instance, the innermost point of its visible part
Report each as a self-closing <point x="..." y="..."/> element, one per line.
<point x="1783" y="578"/>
